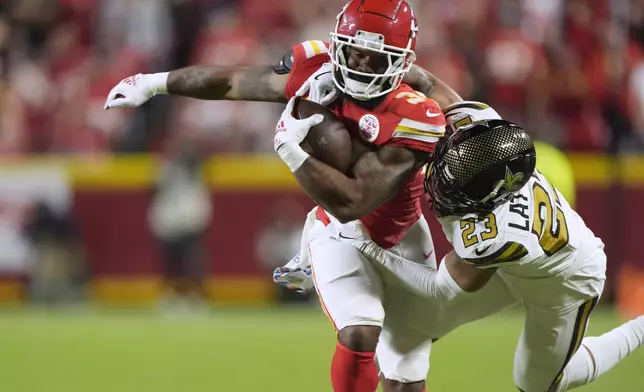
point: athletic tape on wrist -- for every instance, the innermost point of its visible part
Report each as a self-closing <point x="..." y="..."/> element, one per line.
<point x="159" y="82"/>
<point x="293" y="155"/>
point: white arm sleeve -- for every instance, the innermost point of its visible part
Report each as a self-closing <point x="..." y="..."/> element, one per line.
<point x="423" y="279"/>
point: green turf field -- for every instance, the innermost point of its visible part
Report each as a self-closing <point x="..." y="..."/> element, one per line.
<point x="239" y="350"/>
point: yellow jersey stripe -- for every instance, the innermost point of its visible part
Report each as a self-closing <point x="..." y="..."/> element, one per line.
<point x="308" y="49"/>
<point x="509" y="252"/>
<point x="316" y="47"/>
<point x="321" y="46"/>
<point x="421" y="126"/>
<point x="437" y="131"/>
<point x="420" y="137"/>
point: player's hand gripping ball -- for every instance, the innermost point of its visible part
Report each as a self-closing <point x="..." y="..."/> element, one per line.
<point x="291" y="129"/>
<point x="317" y="130"/>
<point x="328" y="141"/>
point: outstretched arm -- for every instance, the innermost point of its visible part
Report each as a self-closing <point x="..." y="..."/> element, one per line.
<point x="452" y="278"/>
<point x="427" y="83"/>
<point x="468" y="267"/>
<point x="266" y="83"/>
<point x="261" y="83"/>
<point x="468" y="277"/>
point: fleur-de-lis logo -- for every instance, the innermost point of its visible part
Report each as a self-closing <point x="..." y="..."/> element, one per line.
<point x="511" y="181"/>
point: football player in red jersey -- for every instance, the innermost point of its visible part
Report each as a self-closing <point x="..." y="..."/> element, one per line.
<point x="371" y="53"/>
<point x="371" y="49"/>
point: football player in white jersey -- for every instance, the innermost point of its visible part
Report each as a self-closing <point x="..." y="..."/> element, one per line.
<point x="505" y="220"/>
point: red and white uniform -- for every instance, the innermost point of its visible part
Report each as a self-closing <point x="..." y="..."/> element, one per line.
<point x="405" y="118"/>
<point x="351" y="288"/>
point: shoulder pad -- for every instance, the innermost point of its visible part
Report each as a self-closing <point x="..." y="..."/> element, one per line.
<point x="308" y="49"/>
<point x="302" y="61"/>
<point x="465" y="113"/>
<point x="421" y="120"/>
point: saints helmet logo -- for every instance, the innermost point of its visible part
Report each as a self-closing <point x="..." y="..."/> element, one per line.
<point x="511" y="183"/>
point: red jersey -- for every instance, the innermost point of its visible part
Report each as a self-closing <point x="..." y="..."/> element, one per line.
<point x="405" y="118"/>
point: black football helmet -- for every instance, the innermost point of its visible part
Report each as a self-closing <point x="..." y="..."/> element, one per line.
<point x="479" y="167"/>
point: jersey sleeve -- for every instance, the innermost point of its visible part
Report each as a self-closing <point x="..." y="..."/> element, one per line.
<point x="302" y="61"/>
<point x="481" y="241"/>
<point x="420" y="124"/>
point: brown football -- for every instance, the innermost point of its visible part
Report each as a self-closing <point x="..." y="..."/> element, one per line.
<point x="328" y="141"/>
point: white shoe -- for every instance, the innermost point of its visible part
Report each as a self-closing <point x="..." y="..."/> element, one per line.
<point x="295" y="275"/>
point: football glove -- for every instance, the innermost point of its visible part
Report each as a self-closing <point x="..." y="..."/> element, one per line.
<point x="135" y="90"/>
<point x="290" y="132"/>
<point x="320" y="86"/>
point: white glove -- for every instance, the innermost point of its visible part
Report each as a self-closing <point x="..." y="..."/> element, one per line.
<point x="135" y="90"/>
<point x="320" y="86"/>
<point x="290" y="132"/>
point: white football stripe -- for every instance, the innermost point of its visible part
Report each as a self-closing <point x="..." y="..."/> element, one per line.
<point x="308" y="49"/>
<point x="421" y="126"/>
<point x="413" y="136"/>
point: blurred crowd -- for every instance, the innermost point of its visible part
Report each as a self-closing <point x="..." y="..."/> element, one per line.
<point x="570" y="70"/>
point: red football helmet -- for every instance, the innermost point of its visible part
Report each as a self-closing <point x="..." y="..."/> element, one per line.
<point x="386" y="27"/>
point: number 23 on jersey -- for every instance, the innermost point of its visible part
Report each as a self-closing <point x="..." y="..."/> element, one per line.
<point x="468" y="229"/>
<point x="548" y="221"/>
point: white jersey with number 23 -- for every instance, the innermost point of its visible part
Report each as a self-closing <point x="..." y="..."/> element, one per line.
<point x="543" y="249"/>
